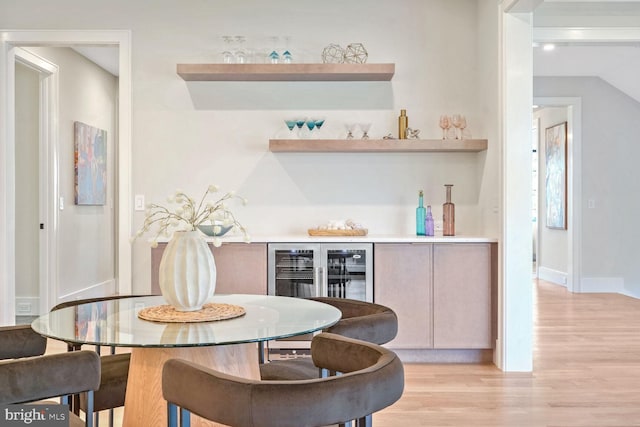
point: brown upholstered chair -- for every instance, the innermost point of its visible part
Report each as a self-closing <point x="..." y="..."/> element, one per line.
<point x="361" y="320"/>
<point x="32" y="376"/>
<point x="114" y="372"/>
<point x="372" y="378"/>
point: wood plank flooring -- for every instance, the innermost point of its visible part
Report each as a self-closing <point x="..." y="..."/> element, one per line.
<point x="586" y="373"/>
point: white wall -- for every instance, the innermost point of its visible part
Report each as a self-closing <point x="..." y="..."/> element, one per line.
<point x="27" y="185"/>
<point x="187" y="135"/>
<point x="553" y="243"/>
<point x="610" y="180"/>
<point x="86" y="258"/>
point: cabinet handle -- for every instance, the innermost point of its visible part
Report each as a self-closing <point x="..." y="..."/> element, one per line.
<point x="318" y="281"/>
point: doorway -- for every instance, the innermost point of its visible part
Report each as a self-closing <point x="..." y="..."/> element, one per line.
<point x="35" y="135"/>
<point x="9" y="43"/>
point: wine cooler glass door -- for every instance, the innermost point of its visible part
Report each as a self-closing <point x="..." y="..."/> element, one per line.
<point x="294" y="272"/>
<point x="348" y="272"/>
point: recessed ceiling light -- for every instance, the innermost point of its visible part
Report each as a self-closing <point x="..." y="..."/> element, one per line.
<point x="549" y="46"/>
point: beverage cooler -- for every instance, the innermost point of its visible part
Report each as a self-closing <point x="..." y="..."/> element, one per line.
<point x="342" y="270"/>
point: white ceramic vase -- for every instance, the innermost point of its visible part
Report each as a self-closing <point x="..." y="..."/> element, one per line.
<point x="187" y="271"/>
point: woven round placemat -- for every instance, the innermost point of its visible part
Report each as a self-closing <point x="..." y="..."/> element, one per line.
<point x="208" y="313"/>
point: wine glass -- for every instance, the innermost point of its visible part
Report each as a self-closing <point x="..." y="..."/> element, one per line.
<point x="456" y="122"/>
<point x="227" y="53"/>
<point x="240" y="53"/>
<point x="365" y="130"/>
<point x="287" y="58"/>
<point x="274" y="57"/>
<point x="463" y="124"/>
<point x="444" y="124"/>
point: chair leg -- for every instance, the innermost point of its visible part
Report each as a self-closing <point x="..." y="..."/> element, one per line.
<point x="185" y="418"/>
<point x="366" y="421"/>
<point x="172" y="415"/>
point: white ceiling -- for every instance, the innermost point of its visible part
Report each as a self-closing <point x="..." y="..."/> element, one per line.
<point x="617" y="65"/>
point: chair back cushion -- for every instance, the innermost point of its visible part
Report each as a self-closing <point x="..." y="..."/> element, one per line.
<point x="20" y="341"/>
<point x="362" y="320"/>
<point x="42" y="377"/>
<point x="242" y="402"/>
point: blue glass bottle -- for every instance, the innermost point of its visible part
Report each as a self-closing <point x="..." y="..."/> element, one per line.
<point x="429" y="224"/>
<point x="420" y="216"/>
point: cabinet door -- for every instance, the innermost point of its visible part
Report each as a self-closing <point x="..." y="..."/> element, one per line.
<point x="241" y="268"/>
<point x="402" y="282"/>
<point x="462" y="296"/>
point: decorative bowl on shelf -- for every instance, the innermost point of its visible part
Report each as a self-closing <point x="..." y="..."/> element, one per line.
<point x="208" y="229"/>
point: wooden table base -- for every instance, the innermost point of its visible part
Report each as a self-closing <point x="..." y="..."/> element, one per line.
<point x="144" y="404"/>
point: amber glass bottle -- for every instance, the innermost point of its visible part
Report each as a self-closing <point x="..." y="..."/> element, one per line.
<point x="448" y="214"/>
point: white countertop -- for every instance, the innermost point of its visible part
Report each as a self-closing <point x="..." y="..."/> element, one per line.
<point x="371" y="238"/>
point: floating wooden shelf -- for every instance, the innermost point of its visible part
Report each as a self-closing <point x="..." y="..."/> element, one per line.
<point x="376" y="145"/>
<point x="286" y="72"/>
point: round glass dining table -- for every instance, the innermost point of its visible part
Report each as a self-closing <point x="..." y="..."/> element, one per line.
<point x="226" y="345"/>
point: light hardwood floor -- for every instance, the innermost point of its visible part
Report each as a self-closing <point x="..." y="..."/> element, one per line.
<point x="586" y="373"/>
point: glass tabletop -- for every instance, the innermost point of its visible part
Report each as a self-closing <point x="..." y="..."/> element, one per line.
<point x="116" y="323"/>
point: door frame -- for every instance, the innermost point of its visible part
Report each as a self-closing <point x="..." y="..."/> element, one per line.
<point x="9" y="41"/>
<point x="587" y="35"/>
<point x="48" y="180"/>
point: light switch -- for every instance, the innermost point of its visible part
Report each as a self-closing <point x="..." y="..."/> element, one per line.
<point x="139" y="202"/>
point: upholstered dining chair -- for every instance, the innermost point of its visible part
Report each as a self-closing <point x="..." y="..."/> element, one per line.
<point x="361" y="320"/>
<point x="114" y="371"/>
<point x="371" y="379"/>
<point x="31" y="376"/>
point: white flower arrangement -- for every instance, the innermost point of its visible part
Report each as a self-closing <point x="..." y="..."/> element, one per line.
<point x="188" y="215"/>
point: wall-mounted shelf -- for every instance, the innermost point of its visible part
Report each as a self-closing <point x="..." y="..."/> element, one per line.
<point x="376" y="145"/>
<point x="286" y="72"/>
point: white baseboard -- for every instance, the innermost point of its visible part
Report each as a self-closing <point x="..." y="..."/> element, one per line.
<point x="553" y="276"/>
<point x="602" y="285"/>
<point x="106" y="288"/>
<point x="27" y="306"/>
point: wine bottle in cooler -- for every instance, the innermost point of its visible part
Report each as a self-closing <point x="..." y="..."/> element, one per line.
<point x="448" y="214"/>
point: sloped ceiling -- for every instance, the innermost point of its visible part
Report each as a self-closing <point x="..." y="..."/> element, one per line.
<point x="617" y="65"/>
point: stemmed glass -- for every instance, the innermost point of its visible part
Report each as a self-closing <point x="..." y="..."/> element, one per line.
<point x="365" y="130"/>
<point x="463" y="124"/>
<point x="240" y="54"/>
<point x="319" y="121"/>
<point x="350" y="127"/>
<point x="445" y="125"/>
<point x="286" y="55"/>
<point x="456" y="122"/>
<point x="227" y="54"/>
<point x="274" y="58"/>
<point x="311" y="124"/>
<point x="299" y="123"/>
<point x="291" y="124"/>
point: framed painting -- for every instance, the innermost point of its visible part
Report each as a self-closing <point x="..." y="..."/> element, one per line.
<point x="556" y="175"/>
<point x="90" y="164"/>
